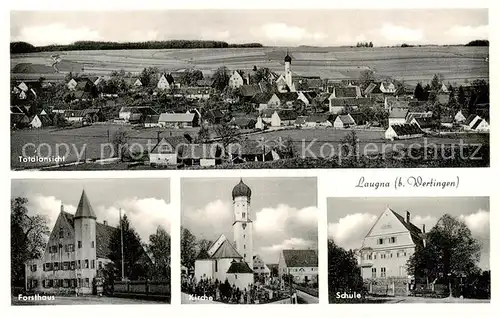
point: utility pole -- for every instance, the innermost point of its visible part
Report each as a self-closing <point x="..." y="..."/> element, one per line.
<point x="121" y="237"/>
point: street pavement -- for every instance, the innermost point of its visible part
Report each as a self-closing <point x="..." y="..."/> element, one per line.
<point x="83" y="300"/>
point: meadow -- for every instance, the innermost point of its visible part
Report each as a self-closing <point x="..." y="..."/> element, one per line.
<point x="457" y="64"/>
<point x="92" y="142"/>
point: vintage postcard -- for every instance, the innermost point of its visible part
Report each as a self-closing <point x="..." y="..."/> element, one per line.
<point x="90" y="241"/>
<point x="249" y="241"/>
<point x="121" y="90"/>
<point x="409" y="250"/>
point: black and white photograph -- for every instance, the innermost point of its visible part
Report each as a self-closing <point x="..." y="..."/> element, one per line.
<point x="342" y="88"/>
<point x="409" y="250"/>
<point x="90" y="241"/>
<point x="249" y="241"/>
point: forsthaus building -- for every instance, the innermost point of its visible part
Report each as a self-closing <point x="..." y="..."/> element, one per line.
<point x="78" y="246"/>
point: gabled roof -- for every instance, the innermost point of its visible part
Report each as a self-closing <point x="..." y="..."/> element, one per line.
<point x="412" y="115"/>
<point x="177" y="118"/>
<point x="359" y="118"/>
<point x="372" y="88"/>
<point x="261" y="98"/>
<point x="415" y="232"/>
<point x="243" y="121"/>
<point x="349" y="91"/>
<point x="84" y="209"/>
<point x="476" y="124"/>
<point x="317" y="118"/>
<point x="406" y="129"/>
<point x="300" y="258"/>
<point x="469" y="119"/>
<point x="203" y="254"/>
<point x="205" y="82"/>
<point x="239" y="268"/>
<point x="104" y="233"/>
<point x="74" y="113"/>
<point x="169" y="144"/>
<point x="425" y="122"/>
<point x="267" y="113"/>
<point x="346" y="119"/>
<point x="287" y="114"/>
<point x="287" y="97"/>
<point x="249" y="90"/>
<point x="226" y="250"/>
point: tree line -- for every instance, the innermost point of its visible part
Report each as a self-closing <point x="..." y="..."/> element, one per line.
<point x="24" y="47"/>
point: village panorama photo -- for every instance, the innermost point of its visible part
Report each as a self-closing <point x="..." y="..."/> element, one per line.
<point x="93" y="241"/>
<point x="249" y="241"/>
<point x="406" y="88"/>
<point x="409" y="250"/>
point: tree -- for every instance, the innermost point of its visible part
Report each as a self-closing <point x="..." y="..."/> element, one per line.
<point x="449" y="251"/>
<point x="134" y="258"/>
<point x="59" y="120"/>
<point x="452" y="99"/>
<point x="188" y="248"/>
<point x="349" y="146"/>
<point x="221" y="78"/>
<point x="28" y="236"/>
<point x="148" y="76"/>
<point x="344" y="274"/>
<point x="204" y="244"/>
<point x="461" y="97"/>
<point x="227" y="134"/>
<point x="203" y="134"/>
<point x="119" y="141"/>
<point x="365" y="78"/>
<point x="436" y="83"/>
<point x="159" y="249"/>
<point x="419" y="92"/>
<point x="190" y="77"/>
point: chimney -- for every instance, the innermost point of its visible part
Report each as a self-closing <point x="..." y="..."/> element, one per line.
<point x="408" y="216"/>
<point x="105" y="222"/>
<point x="423" y="228"/>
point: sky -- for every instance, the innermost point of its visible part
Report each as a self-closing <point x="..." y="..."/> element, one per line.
<point x="146" y="202"/>
<point x="325" y="27"/>
<point x="284" y="212"/>
<point x="350" y="219"/>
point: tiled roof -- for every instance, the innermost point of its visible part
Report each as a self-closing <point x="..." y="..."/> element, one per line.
<point x="412" y="115"/>
<point x="239" y="268"/>
<point x="415" y="232"/>
<point x="476" y="124"/>
<point x="84" y="209"/>
<point x="226" y="250"/>
<point x="203" y="254"/>
<point x="152" y="119"/>
<point x="287" y="114"/>
<point x="350" y="91"/>
<point x="350" y="101"/>
<point x="169" y="144"/>
<point x="425" y="122"/>
<point x="398" y="113"/>
<point x="249" y="90"/>
<point x="359" y="118"/>
<point x="407" y="129"/>
<point x="469" y="119"/>
<point x="287" y="97"/>
<point x="346" y="119"/>
<point x="74" y="113"/>
<point x="300" y="258"/>
<point x="243" y="122"/>
<point x="317" y="118"/>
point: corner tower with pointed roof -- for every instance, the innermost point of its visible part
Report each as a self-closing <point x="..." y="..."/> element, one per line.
<point x="288" y="70"/>
<point x="242" y="225"/>
<point x="85" y="239"/>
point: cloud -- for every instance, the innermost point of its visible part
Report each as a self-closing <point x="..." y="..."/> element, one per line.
<point x="428" y="220"/>
<point x="349" y="231"/>
<point x="274" y="228"/>
<point x="468" y="32"/>
<point x="216" y="35"/>
<point x="145" y="214"/>
<point x="56" y="33"/>
<point x="212" y="220"/>
<point x="350" y="40"/>
<point x="478" y="223"/>
<point x="397" y="33"/>
<point x="283" y="32"/>
<point x="142" y="36"/>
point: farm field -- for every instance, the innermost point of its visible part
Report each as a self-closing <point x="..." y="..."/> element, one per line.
<point x="92" y="142"/>
<point x="413" y="64"/>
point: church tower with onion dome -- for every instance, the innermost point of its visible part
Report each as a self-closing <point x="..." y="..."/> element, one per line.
<point x="242" y="225"/>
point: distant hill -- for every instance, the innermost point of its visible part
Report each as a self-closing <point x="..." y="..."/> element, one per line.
<point x="23" y="47"/>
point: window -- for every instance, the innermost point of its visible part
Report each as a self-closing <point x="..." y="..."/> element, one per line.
<point x="92" y="244"/>
<point x="243" y="215"/>
<point x="100" y="264"/>
<point x="404" y="253"/>
<point x="382" y="255"/>
<point x="72" y="265"/>
<point x="216" y="267"/>
<point x="56" y="266"/>
<point x="79" y="282"/>
<point x="71" y="247"/>
<point x="86" y="264"/>
<point x="79" y="244"/>
<point x="60" y="247"/>
<point x="244" y="255"/>
<point x="87" y="281"/>
<point x="92" y="264"/>
<point x="392" y="240"/>
<point x="380" y="241"/>
<point x="235" y="276"/>
<point x="374" y="272"/>
<point x="65" y="266"/>
<point x="262" y="267"/>
<point x="79" y="265"/>
<point x="244" y="246"/>
<point x="61" y="233"/>
<point x="369" y="256"/>
<point x="73" y="283"/>
<point x="66" y="283"/>
<point x="391" y="255"/>
<point x="374" y="255"/>
<point x="33" y="268"/>
<point x="49" y="283"/>
<point x="53" y="249"/>
<point x="243" y="235"/>
<point x="382" y="272"/>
